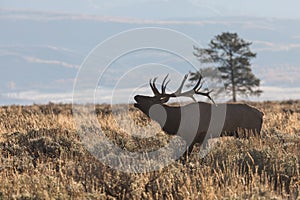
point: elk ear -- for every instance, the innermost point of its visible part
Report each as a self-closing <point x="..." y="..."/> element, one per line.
<point x="164" y="99"/>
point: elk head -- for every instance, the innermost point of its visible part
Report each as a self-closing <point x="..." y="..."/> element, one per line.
<point x="144" y="103"/>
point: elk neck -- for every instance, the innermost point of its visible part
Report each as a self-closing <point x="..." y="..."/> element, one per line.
<point x="168" y="118"/>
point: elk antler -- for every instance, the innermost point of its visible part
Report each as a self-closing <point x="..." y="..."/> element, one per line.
<point x="190" y="93"/>
<point x="153" y="87"/>
<point x="179" y="93"/>
<point x="163" y="86"/>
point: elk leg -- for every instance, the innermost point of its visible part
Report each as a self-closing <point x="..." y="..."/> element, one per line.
<point x="188" y="152"/>
<point x="230" y="133"/>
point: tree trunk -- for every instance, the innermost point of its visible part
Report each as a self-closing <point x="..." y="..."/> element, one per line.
<point x="233" y="93"/>
<point x="232" y="77"/>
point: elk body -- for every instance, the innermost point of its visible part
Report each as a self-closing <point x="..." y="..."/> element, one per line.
<point x="197" y="122"/>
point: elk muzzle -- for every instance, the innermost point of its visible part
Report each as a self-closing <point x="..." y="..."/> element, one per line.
<point x="138" y="99"/>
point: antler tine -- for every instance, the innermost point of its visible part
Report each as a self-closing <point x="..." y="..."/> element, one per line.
<point x="164" y="85"/>
<point x="207" y="94"/>
<point x="153" y="86"/>
<point x="178" y="91"/>
<point x="198" y="83"/>
<point x="198" y="86"/>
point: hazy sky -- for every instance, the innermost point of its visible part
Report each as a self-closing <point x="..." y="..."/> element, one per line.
<point x="44" y="42"/>
<point x="164" y="9"/>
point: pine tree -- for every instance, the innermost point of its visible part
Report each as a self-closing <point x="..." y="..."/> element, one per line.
<point x="231" y="55"/>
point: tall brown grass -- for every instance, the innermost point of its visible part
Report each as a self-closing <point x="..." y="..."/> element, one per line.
<point x="42" y="158"/>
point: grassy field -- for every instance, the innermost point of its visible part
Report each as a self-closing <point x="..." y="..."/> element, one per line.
<point x="42" y="158"/>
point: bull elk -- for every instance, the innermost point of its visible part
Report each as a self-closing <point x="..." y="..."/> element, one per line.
<point x="193" y="121"/>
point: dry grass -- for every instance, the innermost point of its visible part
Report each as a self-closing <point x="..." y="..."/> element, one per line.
<point x="42" y="158"/>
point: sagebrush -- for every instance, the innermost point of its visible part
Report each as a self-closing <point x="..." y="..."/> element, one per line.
<point x="42" y="158"/>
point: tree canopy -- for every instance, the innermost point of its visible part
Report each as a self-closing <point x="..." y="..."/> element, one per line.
<point x="231" y="55"/>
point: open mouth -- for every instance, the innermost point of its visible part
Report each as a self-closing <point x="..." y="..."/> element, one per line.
<point x="136" y="98"/>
